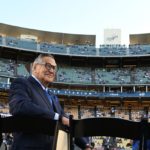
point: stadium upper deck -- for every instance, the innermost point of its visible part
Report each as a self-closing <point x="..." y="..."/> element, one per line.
<point x="45" y="36"/>
<point x="65" y="44"/>
<point x="110" y="71"/>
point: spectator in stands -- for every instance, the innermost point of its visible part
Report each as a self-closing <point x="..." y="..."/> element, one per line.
<point x="31" y="97"/>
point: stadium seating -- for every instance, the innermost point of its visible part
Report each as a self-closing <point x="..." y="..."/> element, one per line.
<point x="21" y="69"/>
<point x="78" y="50"/>
<point x="53" y="48"/>
<point x="21" y="43"/>
<point x="139" y="49"/>
<point x="87" y="112"/>
<point x="82" y="50"/>
<point x="74" y="75"/>
<point x="142" y="75"/>
<point x="7" y="67"/>
<point x="112" y="50"/>
<point x="70" y="110"/>
<point x="112" y="76"/>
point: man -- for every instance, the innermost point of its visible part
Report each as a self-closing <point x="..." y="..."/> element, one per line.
<point x="30" y="97"/>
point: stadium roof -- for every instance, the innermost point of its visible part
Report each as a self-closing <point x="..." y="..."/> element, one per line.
<point x="47" y="36"/>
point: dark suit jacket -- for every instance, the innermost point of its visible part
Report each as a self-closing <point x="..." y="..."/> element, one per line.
<point x="28" y="98"/>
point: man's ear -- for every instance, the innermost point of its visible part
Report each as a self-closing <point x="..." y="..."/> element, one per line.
<point x="33" y="67"/>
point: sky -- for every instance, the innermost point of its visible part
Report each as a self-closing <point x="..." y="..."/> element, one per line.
<point x="79" y="16"/>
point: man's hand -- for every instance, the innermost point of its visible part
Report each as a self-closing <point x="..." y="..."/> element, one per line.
<point x="65" y="121"/>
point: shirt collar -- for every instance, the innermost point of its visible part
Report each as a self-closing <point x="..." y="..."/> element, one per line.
<point x="43" y="87"/>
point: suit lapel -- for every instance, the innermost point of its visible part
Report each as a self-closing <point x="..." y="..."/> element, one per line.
<point x="40" y="91"/>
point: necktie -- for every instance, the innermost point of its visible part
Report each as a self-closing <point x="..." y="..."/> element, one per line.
<point x="49" y="97"/>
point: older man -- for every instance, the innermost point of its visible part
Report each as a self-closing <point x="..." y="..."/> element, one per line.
<point x="31" y="97"/>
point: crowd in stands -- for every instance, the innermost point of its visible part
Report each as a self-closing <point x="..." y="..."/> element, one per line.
<point x="21" y="69"/>
<point x="85" y="50"/>
<point x="71" y="111"/>
<point x="113" y="76"/>
<point x="87" y="112"/>
<point x="7" y="67"/>
<point x="21" y="43"/>
<point x="74" y="74"/>
<point x="113" y="50"/>
<point x="82" y="50"/>
<point x="139" y="49"/>
<point x="139" y="75"/>
<point x="135" y="114"/>
<point x="83" y="75"/>
<point x="53" y="48"/>
<point x="142" y="75"/>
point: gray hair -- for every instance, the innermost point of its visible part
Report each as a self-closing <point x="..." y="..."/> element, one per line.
<point x="39" y="59"/>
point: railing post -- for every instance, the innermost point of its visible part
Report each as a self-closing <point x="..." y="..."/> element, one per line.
<point x="71" y="132"/>
<point x="144" y="131"/>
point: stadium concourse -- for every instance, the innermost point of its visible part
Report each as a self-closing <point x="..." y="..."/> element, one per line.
<point x="109" y="81"/>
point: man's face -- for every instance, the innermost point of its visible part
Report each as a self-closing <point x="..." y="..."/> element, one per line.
<point x="46" y="71"/>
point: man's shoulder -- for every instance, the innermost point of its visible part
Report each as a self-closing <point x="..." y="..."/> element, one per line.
<point x="21" y="80"/>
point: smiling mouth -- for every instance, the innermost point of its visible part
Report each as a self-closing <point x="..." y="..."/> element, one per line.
<point x="49" y="75"/>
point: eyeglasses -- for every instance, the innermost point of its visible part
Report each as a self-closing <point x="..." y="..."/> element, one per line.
<point x="50" y="67"/>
